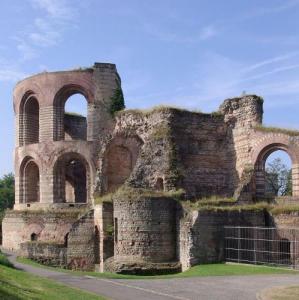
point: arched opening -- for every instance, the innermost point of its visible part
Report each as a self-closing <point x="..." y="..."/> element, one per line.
<point x="159" y="184"/>
<point x="71" y="179"/>
<point x="33" y="237"/>
<point x="278" y="174"/>
<point x="119" y="161"/>
<point x="119" y="167"/>
<point x="70" y="121"/>
<point x="66" y="240"/>
<point x="29" y="121"/>
<point x="29" y="182"/>
<point x="273" y="173"/>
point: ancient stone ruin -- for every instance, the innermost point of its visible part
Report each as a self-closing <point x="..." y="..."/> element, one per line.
<point x="122" y="191"/>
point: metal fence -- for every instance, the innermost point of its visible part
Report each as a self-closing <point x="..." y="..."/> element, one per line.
<point x="262" y="245"/>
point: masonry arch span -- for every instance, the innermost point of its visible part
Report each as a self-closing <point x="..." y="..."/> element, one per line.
<point x="262" y="186"/>
<point x="29" y="119"/>
<point x="72" y="179"/>
<point x="29" y="181"/>
<point x="71" y="125"/>
<point x="119" y="160"/>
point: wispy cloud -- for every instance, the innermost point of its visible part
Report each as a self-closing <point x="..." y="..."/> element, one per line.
<point x="47" y="29"/>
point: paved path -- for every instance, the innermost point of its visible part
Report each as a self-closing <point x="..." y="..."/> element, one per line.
<point x="196" y="288"/>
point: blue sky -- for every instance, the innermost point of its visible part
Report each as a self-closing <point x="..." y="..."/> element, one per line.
<point x="191" y="53"/>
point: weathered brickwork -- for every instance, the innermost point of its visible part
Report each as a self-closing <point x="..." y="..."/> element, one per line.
<point x="64" y="162"/>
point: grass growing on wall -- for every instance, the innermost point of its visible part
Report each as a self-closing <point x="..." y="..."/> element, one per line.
<point x="291" y="132"/>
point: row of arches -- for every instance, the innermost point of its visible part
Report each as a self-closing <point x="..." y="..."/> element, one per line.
<point x="72" y="175"/>
<point x="71" y="180"/>
<point x="70" y="110"/>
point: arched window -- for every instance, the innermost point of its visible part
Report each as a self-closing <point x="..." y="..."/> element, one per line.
<point x="119" y="167"/>
<point x="70" y="114"/>
<point x="273" y="173"/>
<point x="119" y="160"/>
<point x="71" y="176"/>
<point x="29" y="121"/>
<point x="29" y="181"/>
<point x="75" y="118"/>
<point x="159" y="184"/>
<point x="33" y="237"/>
<point x="278" y="174"/>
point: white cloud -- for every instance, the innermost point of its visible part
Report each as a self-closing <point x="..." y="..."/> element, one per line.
<point x="56" y="9"/>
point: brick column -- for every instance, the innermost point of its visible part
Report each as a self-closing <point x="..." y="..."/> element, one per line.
<point x="260" y="181"/>
<point x="46" y="123"/>
<point x="295" y="180"/>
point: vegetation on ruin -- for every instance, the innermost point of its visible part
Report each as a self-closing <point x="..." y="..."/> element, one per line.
<point x="135" y="193"/>
<point x="225" y="206"/>
<point x="108" y="198"/>
<point x="117" y="100"/>
<point x="7" y="194"/>
<point x="217" y="269"/>
<point x="159" y="108"/>
<point x="17" y="284"/>
<point x="291" y="132"/>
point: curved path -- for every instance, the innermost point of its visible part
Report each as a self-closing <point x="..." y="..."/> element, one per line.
<point x="195" y="288"/>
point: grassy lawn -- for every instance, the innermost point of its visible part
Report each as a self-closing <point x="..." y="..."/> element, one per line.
<point x="281" y="293"/>
<point x="19" y="285"/>
<point x="220" y="269"/>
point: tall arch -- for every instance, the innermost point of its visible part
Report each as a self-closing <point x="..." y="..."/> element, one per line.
<point x="29" y="181"/>
<point x="119" y="161"/>
<point x="72" y="179"/>
<point x="29" y="120"/>
<point x="62" y="122"/>
<point x="259" y="183"/>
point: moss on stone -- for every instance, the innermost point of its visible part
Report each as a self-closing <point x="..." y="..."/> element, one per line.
<point x="108" y="198"/>
<point x="214" y="208"/>
<point x="135" y="193"/>
<point x="290" y="132"/>
<point x="160" y="132"/>
<point x="158" y="108"/>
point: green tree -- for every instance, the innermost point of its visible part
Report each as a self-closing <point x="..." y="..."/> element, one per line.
<point x="7" y="192"/>
<point x="278" y="178"/>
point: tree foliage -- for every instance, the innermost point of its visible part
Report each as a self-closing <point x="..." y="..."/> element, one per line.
<point x="7" y="192"/>
<point x="117" y="100"/>
<point x="279" y="178"/>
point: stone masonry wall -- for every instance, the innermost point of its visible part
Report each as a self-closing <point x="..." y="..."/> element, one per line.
<point x="201" y="233"/>
<point x="81" y="244"/>
<point x="48" y="226"/>
<point x="45" y="253"/>
<point x="75" y="127"/>
<point x="144" y="229"/>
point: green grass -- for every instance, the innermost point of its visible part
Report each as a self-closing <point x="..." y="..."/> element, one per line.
<point x="291" y="132"/>
<point x="19" y="285"/>
<point x="220" y="269"/>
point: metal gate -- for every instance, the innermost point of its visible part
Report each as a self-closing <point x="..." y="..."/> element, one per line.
<point x="262" y="245"/>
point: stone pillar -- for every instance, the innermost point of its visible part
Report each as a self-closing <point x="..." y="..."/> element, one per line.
<point x="295" y="180"/>
<point x="104" y="223"/>
<point x="46" y="123"/>
<point x="260" y="181"/>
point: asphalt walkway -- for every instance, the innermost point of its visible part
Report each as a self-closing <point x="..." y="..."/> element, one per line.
<point x="195" y="288"/>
